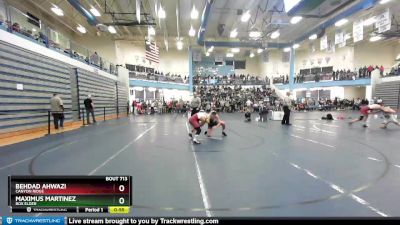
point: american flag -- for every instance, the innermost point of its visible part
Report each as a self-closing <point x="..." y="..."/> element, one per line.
<point x="152" y="52"/>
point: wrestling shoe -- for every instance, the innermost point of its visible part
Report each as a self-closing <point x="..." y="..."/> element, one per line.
<point x="195" y="141"/>
<point x="191" y="135"/>
<point x="365" y="125"/>
<point x="205" y="132"/>
<point x="223" y="133"/>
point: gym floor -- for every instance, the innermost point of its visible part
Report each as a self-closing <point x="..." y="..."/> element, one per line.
<point x="313" y="168"/>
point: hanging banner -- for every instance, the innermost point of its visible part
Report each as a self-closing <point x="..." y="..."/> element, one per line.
<point x="311" y="48"/>
<point x="285" y="57"/>
<point x="339" y="37"/>
<point x="331" y="47"/>
<point x="196" y="56"/>
<point x="327" y="59"/>
<point x="324" y="43"/>
<point x="383" y="22"/>
<point x="219" y="57"/>
<point x="265" y="57"/>
<point x="358" y="31"/>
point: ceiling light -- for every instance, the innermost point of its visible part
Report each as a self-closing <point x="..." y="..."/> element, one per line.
<point x="313" y="37"/>
<point x="81" y="29"/>
<point x="95" y="12"/>
<point x="251" y="55"/>
<point x="235" y="50"/>
<point x="375" y="38"/>
<point x="286" y="49"/>
<point x="296" y="19"/>
<point x="179" y="45"/>
<point x="111" y="29"/>
<point x="211" y="49"/>
<point x="341" y="22"/>
<point x="259" y="50"/>
<point x="296" y="46"/>
<point x="246" y="16"/>
<point x="161" y="13"/>
<point x="229" y="55"/>
<point x="369" y="21"/>
<point x="275" y="34"/>
<point x="290" y="4"/>
<point x="207" y="54"/>
<point x="384" y="1"/>
<point x="151" y="31"/>
<point x="234" y="33"/>
<point x="192" y="31"/>
<point x="34" y="30"/>
<point x="57" y="10"/>
<point x="255" y="34"/>
<point x="194" y="14"/>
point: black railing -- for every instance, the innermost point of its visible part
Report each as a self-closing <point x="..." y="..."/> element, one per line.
<point x="82" y="112"/>
<point x="117" y="111"/>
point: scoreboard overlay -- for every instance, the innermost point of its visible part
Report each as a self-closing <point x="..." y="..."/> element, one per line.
<point x="70" y="194"/>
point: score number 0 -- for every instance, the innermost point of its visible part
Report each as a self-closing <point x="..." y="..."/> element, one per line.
<point x="121" y="200"/>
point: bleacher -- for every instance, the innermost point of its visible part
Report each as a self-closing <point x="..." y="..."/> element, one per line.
<point x="41" y="77"/>
<point x="389" y="92"/>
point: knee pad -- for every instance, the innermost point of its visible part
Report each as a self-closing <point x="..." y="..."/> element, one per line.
<point x="198" y="131"/>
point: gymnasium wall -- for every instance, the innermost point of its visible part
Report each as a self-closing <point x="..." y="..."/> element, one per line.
<point x="349" y="57"/>
<point x="376" y="53"/>
<point x="174" y="61"/>
<point x="133" y="52"/>
<point x="354" y="92"/>
<point x="342" y="58"/>
<point x="252" y="67"/>
<point x="103" y="45"/>
<point x="274" y="67"/>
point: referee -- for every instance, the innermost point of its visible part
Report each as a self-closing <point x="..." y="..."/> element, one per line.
<point x="287" y="102"/>
<point x="195" y="104"/>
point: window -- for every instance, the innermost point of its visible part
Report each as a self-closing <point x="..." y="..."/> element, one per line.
<point x="240" y="65"/>
<point x="229" y="63"/>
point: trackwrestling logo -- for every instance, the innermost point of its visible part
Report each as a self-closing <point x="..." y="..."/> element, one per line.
<point x="33" y="220"/>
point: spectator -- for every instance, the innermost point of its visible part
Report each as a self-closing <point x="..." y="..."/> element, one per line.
<point x="370" y="69"/>
<point x="287" y="102"/>
<point x="94" y="59"/>
<point x="195" y="104"/>
<point x="16" y="27"/>
<point x="381" y="70"/>
<point x="1" y="19"/>
<point x="152" y="106"/>
<point x="89" y="107"/>
<point x="57" y="111"/>
<point x="133" y="107"/>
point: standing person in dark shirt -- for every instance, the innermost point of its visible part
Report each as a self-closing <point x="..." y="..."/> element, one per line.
<point x="89" y="107"/>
